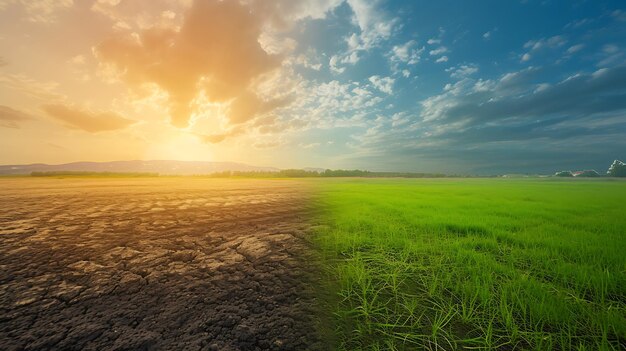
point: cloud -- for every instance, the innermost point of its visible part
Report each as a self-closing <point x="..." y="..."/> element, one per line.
<point x="440" y="50"/>
<point x="462" y="71"/>
<point x="327" y="105"/>
<point x="88" y="121"/>
<point x="610" y="49"/>
<point x="442" y="59"/>
<point x="433" y="41"/>
<point x="575" y="48"/>
<point x="45" y="91"/>
<point x="514" y="96"/>
<point x="619" y="15"/>
<point x="578" y="23"/>
<point x="406" y="53"/>
<point x="77" y="60"/>
<point x="282" y="14"/>
<point x="310" y="60"/>
<point x="216" y="54"/>
<point x="333" y="63"/>
<point x="483" y="124"/>
<point x="534" y="46"/>
<point x="231" y="79"/>
<point x="371" y="21"/>
<point x="374" y="28"/>
<point x="219" y="137"/>
<point x="403" y="55"/>
<point x="384" y="84"/>
<point x="545" y="43"/>
<point x="140" y="14"/>
<point x="489" y="34"/>
<point x="11" y="118"/>
<point x="611" y="55"/>
<point x="337" y="62"/>
<point x="219" y="52"/>
<point x="42" y="11"/>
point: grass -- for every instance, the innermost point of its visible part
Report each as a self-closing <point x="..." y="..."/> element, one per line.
<point x="475" y="263"/>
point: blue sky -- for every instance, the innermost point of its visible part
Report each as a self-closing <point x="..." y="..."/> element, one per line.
<point x="475" y="87"/>
<point x="537" y="45"/>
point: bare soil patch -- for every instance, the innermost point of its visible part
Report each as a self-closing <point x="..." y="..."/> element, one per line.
<point x="164" y="263"/>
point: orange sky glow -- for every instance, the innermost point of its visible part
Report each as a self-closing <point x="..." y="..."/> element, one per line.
<point x="167" y="79"/>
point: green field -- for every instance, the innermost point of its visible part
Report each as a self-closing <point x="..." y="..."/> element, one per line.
<point x="475" y="263"/>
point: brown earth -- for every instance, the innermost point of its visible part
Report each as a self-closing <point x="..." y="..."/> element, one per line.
<point x="155" y="263"/>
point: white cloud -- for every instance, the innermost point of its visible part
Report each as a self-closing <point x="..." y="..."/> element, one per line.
<point x="327" y="105"/>
<point x="575" y="48"/>
<point x="612" y="55"/>
<point x="578" y="23"/>
<point x="372" y="22"/>
<point x="384" y="84"/>
<point x="309" y="60"/>
<point x="338" y="63"/>
<point x="433" y="41"/>
<point x="333" y="64"/>
<point x="353" y="42"/>
<point x="351" y="59"/>
<point x="406" y="53"/>
<point x="534" y="46"/>
<point x="462" y="71"/>
<point x="442" y="59"/>
<point x="545" y="43"/>
<point x="374" y="28"/>
<point x="438" y="51"/>
<point x="542" y="87"/>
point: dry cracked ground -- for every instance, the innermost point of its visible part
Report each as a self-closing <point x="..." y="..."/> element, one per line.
<point x="155" y="263"/>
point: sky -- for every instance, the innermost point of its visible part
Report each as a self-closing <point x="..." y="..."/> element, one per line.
<point x="472" y="87"/>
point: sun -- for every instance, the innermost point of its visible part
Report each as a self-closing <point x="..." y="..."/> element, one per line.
<point x="182" y="147"/>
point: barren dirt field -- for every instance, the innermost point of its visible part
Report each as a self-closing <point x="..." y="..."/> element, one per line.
<point x="155" y="263"/>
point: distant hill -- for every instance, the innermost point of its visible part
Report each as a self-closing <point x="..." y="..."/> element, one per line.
<point x="164" y="167"/>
